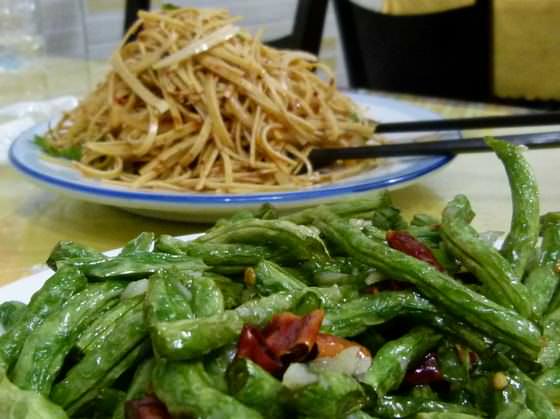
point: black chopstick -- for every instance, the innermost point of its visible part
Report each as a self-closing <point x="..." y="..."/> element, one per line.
<point x="323" y="156"/>
<point x="529" y="119"/>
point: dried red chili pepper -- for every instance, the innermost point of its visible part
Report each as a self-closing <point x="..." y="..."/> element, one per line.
<point x="252" y="345"/>
<point x="287" y="338"/>
<point x="147" y="408"/>
<point x="292" y="337"/>
<point x="426" y="372"/>
<point x="406" y="243"/>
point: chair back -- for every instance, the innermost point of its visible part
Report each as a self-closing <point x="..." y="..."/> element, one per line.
<point x="443" y="54"/>
<point x="307" y="31"/>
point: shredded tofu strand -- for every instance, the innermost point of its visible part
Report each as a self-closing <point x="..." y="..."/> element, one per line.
<point x="120" y="68"/>
<point x="199" y="46"/>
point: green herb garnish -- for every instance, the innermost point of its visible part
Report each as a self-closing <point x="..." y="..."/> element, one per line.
<point x="70" y="153"/>
<point x="169" y="7"/>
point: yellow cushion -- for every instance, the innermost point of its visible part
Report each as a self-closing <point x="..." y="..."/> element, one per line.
<point x="414" y="7"/>
<point x="527" y="49"/>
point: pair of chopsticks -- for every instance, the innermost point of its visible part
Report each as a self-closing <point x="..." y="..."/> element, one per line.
<point x="325" y="156"/>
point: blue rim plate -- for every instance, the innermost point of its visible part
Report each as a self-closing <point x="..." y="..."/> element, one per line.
<point x="26" y="157"/>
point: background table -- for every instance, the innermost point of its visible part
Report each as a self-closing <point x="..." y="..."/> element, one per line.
<point x="33" y="220"/>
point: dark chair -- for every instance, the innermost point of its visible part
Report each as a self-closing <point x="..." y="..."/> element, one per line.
<point x="131" y="9"/>
<point x="445" y="54"/>
<point x="307" y="31"/>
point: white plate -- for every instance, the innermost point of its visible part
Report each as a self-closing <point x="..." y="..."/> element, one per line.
<point x="24" y="288"/>
<point x="198" y="207"/>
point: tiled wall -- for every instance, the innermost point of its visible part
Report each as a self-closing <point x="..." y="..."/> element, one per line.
<point x="62" y="24"/>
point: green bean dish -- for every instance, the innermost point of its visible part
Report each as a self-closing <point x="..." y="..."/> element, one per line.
<point x="346" y="310"/>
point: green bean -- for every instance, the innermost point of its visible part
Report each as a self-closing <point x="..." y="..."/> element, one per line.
<point x="175" y="295"/>
<point x="524" y="231"/>
<point x="43" y="353"/>
<point x="69" y="250"/>
<point x="403" y="406"/>
<point x="49" y="299"/>
<point x="543" y="280"/>
<point x="386" y="218"/>
<point x="445" y="415"/>
<point x="238" y="216"/>
<point x="369" y="230"/>
<point x="104" y="324"/>
<point x="130" y="360"/>
<point x="549" y="382"/>
<point x="217" y="254"/>
<point x="501" y="324"/>
<point x="127" y="334"/>
<point x="424" y="220"/>
<point x="394" y="358"/>
<point x="453" y="368"/>
<point x="344" y="208"/>
<point x="354" y="317"/>
<point x="307" y="303"/>
<point x="550" y="252"/>
<point x="327" y="298"/>
<point x="255" y="387"/>
<point x="216" y="364"/>
<point x="298" y="241"/>
<point x="495" y="272"/>
<point x="144" y="242"/>
<point x="228" y="270"/>
<point x="554" y="302"/>
<point x="460" y="331"/>
<point x="186" y="391"/>
<point x="260" y="311"/>
<point x="360" y="414"/>
<point x="102" y="405"/>
<point x="333" y="296"/>
<point x="189" y="339"/>
<point x="429" y="235"/>
<point x="10" y="313"/>
<point x="81" y="263"/>
<point x="140" y="386"/>
<point x="516" y="410"/>
<point x="336" y="271"/>
<point x="334" y="395"/>
<point x="271" y="278"/>
<point x="207" y="299"/>
<point x="167" y="298"/>
<point x="231" y="291"/>
<point x="266" y="212"/>
<point x="142" y="380"/>
<point x="550" y="354"/>
<point x="136" y="265"/>
<point x="536" y="401"/>
<point x="507" y="396"/>
<point x="541" y="283"/>
<point x="16" y="403"/>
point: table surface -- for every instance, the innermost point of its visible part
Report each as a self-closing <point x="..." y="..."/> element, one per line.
<point x="33" y="220"/>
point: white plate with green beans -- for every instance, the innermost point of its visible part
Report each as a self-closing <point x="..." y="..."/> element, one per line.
<point x="346" y="310"/>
